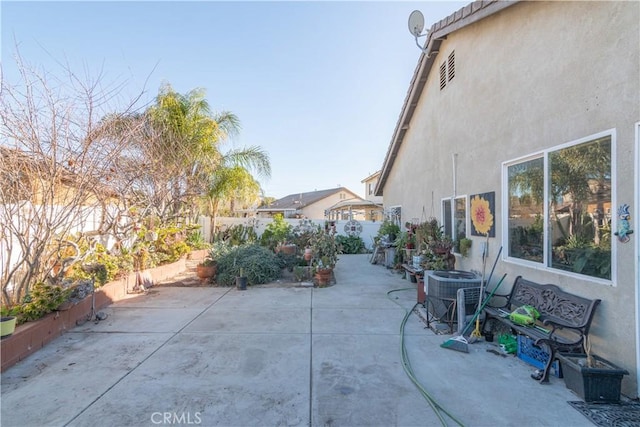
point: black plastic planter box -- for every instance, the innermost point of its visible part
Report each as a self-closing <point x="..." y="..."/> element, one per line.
<point x="600" y="384"/>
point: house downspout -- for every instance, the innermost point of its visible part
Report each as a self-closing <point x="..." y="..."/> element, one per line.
<point x="637" y="257"/>
<point x="454" y="157"/>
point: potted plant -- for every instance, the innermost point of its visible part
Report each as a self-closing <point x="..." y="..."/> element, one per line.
<point x="435" y="245"/>
<point x="389" y="229"/>
<point x="591" y="377"/>
<point x="286" y="248"/>
<point x="308" y="254"/>
<point x="325" y="254"/>
<point x="241" y="280"/>
<point x="7" y="323"/>
<point x="405" y="240"/>
<point x="207" y="269"/>
<point x="464" y="246"/>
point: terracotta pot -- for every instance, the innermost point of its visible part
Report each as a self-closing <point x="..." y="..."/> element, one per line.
<point x="308" y="254"/>
<point x="206" y="271"/>
<point x="323" y="276"/>
<point x="440" y="251"/>
<point x="287" y="249"/>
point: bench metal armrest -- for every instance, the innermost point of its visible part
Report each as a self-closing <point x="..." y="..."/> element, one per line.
<point x="503" y="304"/>
<point x="578" y="332"/>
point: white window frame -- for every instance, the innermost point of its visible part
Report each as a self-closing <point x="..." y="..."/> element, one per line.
<point x="452" y="200"/>
<point x="544" y="265"/>
<point x="394" y="214"/>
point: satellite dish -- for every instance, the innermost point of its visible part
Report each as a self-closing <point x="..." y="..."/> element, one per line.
<point x="416" y="23"/>
<point x="416" y="26"/>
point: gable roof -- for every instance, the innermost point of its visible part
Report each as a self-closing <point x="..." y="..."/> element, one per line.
<point x="372" y="176"/>
<point x="301" y="200"/>
<point x="438" y="32"/>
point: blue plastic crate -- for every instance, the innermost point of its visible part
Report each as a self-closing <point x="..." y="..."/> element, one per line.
<point x="535" y="356"/>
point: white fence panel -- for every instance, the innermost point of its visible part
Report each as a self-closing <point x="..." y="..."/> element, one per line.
<point x="369" y="228"/>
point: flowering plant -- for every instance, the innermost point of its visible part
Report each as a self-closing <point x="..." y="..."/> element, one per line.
<point x="325" y="248"/>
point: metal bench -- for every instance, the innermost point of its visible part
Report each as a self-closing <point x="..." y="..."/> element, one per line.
<point x="564" y="320"/>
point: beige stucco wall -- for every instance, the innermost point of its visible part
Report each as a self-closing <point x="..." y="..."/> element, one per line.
<point x="531" y="77"/>
<point x="316" y="210"/>
<point x="370" y="184"/>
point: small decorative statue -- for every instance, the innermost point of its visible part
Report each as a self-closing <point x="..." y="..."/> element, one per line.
<point x="624" y="227"/>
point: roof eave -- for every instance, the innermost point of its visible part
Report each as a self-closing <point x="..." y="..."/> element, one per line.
<point x="469" y="14"/>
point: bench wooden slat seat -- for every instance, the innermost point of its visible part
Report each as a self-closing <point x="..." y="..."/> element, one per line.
<point x="565" y="317"/>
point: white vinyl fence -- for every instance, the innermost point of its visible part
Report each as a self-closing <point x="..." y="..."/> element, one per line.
<point x="367" y="229"/>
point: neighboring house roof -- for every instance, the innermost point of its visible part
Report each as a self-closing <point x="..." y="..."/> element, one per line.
<point x="301" y="200"/>
<point x="372" y="176"/>
<point x="437" y="34"/>
<point x="25" y="176"/>
<point x="355" y="203"/>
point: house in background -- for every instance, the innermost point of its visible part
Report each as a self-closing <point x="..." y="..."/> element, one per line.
<point x="376" y="213"/>
<point x="532" y="109"/>
<point x="370" y="183"/>
<point x="332" y="204"/>
<point x="312" y="205"/>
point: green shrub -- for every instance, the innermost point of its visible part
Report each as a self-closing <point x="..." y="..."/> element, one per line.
<point x="195" y="240"/>
<point x="302" y="233"/>
<point x="388" y="228"/>
<point x="277" y="231"/>
<point x="219" y="249"/>
<point x="41" y="300"/>
<point x="170" y="247"/>
<point x="351" y="244"/>
<point x="101" y="266"/>
<point x="287" y="261"/>
<point x="258" y="263"/>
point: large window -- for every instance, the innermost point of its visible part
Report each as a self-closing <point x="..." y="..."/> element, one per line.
<point x="574" y="232"/>
<point x="525" y="204"/>
<point x="454" y="218"/>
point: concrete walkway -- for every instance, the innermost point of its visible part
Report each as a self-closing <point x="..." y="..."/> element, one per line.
<point x="273" y="355"/>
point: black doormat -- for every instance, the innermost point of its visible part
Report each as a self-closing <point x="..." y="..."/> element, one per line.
<point x="623" y="414"/>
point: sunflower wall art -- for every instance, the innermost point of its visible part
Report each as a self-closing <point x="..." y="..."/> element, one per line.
<point x="483" y="209"/>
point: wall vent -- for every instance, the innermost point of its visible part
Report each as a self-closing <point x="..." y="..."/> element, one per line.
<point x="451" y="62"/>
<point x="443" y="75"/>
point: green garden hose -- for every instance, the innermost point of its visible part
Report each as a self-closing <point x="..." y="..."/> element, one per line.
<point x="406" y="364"/>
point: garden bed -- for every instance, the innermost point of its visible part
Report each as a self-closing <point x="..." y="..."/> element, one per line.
<point x="32" y="336"/>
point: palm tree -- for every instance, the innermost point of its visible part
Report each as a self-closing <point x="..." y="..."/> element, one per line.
<point x="186" y="136"/>
<point x="232" y="180"/>
<point x="175" y="158"/>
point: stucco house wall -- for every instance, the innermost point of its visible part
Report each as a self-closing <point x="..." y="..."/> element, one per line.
<point x="370" y="183"/>
<point x="316" y="210"/>
<point x="530" y="77"/>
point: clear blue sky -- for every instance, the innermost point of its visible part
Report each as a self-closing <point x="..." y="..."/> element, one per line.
<point x="318" y="85"/>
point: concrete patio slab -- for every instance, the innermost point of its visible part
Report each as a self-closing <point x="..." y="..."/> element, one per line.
<point x="274" y="355"/>
<point x="233" y="320"/>
<point x="168" y="297"/>
<point x="350" y="321"/>
<point x="213" y="379"/>
<point x="55" y="384"/>
<point x="357" y="380"/>
<point x="268" y="296"/>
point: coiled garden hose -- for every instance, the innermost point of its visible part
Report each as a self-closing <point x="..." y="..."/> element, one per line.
<point x="406" y="365"/>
